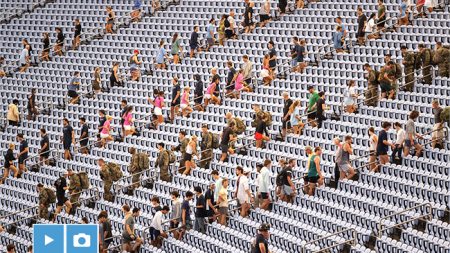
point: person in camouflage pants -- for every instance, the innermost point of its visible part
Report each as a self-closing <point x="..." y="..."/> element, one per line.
<point x="408" y="64"/>
<point x="206" y="147"/>
<point x="105" y="175"/>
<point x="371" y="93"/>
<point x="425" y="55"/>
<point x="74" y="188"/>
<point x="387" y="81"/>
<point x="163" y="163"/>
<point x="442" y="59"/>
<point x="134" y="168"/>
<point x="43" y="201"/>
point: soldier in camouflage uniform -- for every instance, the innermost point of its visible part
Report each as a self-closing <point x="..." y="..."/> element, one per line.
<point x="105" y="175"/>
<point x="408" y="64"/>
<point x="74" y="188"/>
<point x="43" y="201"/>
<point x="371" y="93"/>
<point x="396" y="72"/>
<point x="442" y="59"/>
<point x="134" y="168"/>
<point x="425" y="55"/>
<point x="182" y="148"/>
<point x="387" y="80"/>
<point x="163" y="163"/>
<point x="206" y="147"/>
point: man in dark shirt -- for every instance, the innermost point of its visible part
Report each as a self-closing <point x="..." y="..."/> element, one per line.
<point x="186" y="221"/>
<point x="210" y="203"/>
<point x="44" y="153"/>
<point x="107" y="229"/>
<point x="156" y="205"/>
<point x="61" y="187"/>
<point x="193" y="43"/>
<point x="261" y="242"/>
<point x="288" y="190"/>
<point x="31" y="105"/>
<point x="200" y="213"/>
<point x="67" y="139"/>
<point x="124" y="107"/>
<point x="361" y="22"/>
<point x="383" y="143"/>
<point x="286" y="122"/>
<point x="176" y="98"/>
<point x="59" y="45"/>
<point x="215" y="75"/>
<point x="273" y="56"/>
<point x="84" y="136"/>
<point x="320" y="109"/>
<point x="76" y="35"/>
<point x="23" y="155"/>
<point x="225" y="140"/>
<point x="230" y="76"/>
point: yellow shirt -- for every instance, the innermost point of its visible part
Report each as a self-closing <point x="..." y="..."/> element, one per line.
<point x="13" y="113"/>
<point x="223" y="195"/>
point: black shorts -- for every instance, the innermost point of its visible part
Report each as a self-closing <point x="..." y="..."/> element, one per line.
<point x="45" y="154"/>
<point x="187" y="157"/>
<point x="173" y="225"/>
<point x="312" y="115"/>
<point x="84" y="143"/>
<point x="264" y="195"/>
<point x="224" y="148"/>
<point x="61" y="200"/>
<point x="177" y="103"/>
<point x="13" y="123"/>
<point x="286" y="124"/>
<point x="22" y="159"/>
<point x="72" y="94"/>
<point x="311" y="179"/>
<point x="263" y="17"/>
<point x="67" y="145"/>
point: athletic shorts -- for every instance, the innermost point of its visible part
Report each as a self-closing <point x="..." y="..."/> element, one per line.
<point x="158" y="111"/>
<point x="287" y="190"/>
<point x="127" y="127"/>
<point x="104" y="136"/>
<point x="258" y="136"/>
<point x="408" y="143"/>
<point x="264" y="195"/>
<point x="72" y="94"/>
<point x="224" y="149"/>
<point x="313" y="180"/>
<point x="208" y="96"/>
<point x="184" y="106"/>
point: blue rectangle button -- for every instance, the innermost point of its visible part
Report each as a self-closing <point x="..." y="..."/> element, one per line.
<point x="82" y="238"/>
<point x="48" y="238"/>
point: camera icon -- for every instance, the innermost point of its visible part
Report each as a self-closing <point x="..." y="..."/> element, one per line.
<point x="81" y="240"/>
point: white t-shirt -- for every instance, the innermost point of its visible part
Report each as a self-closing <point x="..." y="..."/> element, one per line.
<point x="370" y="26"/>
<point x="232" y="23"/>
<point x="401" y="135"/>
<point x="243" y="187"/>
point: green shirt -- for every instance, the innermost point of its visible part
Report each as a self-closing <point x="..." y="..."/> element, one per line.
<point x="312" y="170"/>
<point x="175" y="47"/>
<point x="381" y="11"/>
<point x="312" y="100"/>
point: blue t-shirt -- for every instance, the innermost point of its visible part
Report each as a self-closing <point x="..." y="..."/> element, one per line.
<point x="161" y="54"/>
<point x="403" y="7"/>
<point x="210" y="29"/>
<point x="74" y="84"/>
<point x="185" y="206"/>
<point x="137" y="4"/>
<point x="337" y="36"/>
<point x="382" y="148"/>
<point x="300" y="51"/>
<point x="22" y="147"/>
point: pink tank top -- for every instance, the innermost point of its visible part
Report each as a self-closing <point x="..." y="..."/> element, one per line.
<point x="184" y="98"/>
<point x="106" y="126"/>
<point x="127" y="119"/>
<point x="158" y="102"/>
<point x="209" y="90"/>
<point x="238" y="82"/>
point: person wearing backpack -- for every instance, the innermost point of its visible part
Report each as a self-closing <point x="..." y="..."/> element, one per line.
<point x="284" y="181"/>
<point x="139" y="162"/>
<point x="46" y="197"/>
<point x="427" y="56"/>
<point x="441" y="59"/>
<point x="371" y="93"/>
<point x="105" y="175"/>
<point x="163" y="161"/>
<point x="206" y="147"/>
<point x="230" y="25"/>
<point x="408" y="64"/>
<point x="74" y="188"/>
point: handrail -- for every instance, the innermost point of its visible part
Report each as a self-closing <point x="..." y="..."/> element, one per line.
<point x="440" y="138"/>
<point x="382" y="227"/>
<point x="352" y="241"/>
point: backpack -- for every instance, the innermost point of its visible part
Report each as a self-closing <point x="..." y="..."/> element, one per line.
<point x="269" y="118"/>
<point x="215" y="140"/>
<point x="226" y="23"/>
<point x="445" y="115"/>
<point x="84" y="180"/>
<point x="377" y="75"/>
<point x="144" y="162"/>
<point x="51" y="196"/>
<point x="398" y="71"/>
<point x="172" y="157"/>
<point x="431" y="56"/>
<point x="115" y="171"/>
<point x="417" y="61"/>
<point x="280" y="178"/>
<point x="240" y="126"/>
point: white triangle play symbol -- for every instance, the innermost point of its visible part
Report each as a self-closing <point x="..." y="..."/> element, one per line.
<point x="47" y="240"/>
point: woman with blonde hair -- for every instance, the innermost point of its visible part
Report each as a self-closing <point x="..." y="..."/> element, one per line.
<point x="104" y="134"/>
<point x="296" y="120"/>
<point x="9" y="158"/>
<point x="186" y="110"/>
<point x="191" y="150"/>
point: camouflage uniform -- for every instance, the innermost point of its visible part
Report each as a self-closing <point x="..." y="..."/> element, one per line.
<point x="163" y="163"/>
<point x="207" y="152"/>
<point x="182" y="148"/>
<point x="74" y="189"/>
<point x="426" y="68"/>
<point x="408" y="63"/>
<point x="105" y="175"/>
<point x="372" y="88"/>
<point x="134" y="168"/>
<point x="385" y="84"/>
<point x="43" y="200"/>
<point x="442" y="59"/>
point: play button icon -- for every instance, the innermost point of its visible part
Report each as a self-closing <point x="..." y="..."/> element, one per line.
<point x="47" y="240"/>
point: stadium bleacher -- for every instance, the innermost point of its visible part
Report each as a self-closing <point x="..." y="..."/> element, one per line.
<point x="353" y="212"/>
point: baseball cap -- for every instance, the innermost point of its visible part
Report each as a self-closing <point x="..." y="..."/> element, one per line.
<point x="264" y="227"/>
<point x="247" y="170"/>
